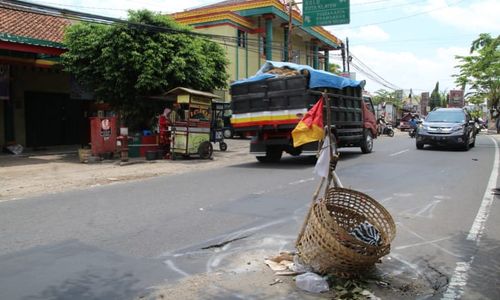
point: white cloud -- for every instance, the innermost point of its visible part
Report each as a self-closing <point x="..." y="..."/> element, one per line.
<point x="407" y="70"/>
<point x="477" y="16"/>
<point x="366" y="33"/>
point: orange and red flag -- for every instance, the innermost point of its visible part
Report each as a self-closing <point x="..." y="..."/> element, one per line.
<point x="310" y="128"/>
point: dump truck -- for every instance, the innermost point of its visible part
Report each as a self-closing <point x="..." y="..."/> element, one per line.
<point x="268" y="106"/>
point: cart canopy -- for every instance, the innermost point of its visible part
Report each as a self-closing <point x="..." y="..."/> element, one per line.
<point x="183" y="90"/>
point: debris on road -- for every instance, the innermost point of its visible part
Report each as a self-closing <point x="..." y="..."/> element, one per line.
<point x="312" y="282"/>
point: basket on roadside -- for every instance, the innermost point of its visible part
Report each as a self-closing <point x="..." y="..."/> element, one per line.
<point x="84" y="154"/>
<point x="326" y="243"/>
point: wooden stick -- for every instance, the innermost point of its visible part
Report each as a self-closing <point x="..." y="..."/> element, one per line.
<point x="315" y="196"/>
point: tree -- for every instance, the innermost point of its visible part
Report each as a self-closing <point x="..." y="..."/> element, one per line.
<point x="334" y="68"/>
<point x="382" y="96"/>
<point x="481" y="70"/>
<point x="435" y="99"/>
<point x="123" y="64"/>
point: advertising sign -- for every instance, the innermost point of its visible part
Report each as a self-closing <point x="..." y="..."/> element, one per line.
<point x="325" y="12"/>
<point x="399" y="95"/>
<point x="456" y="98"/>
<point x="424" y="102"/>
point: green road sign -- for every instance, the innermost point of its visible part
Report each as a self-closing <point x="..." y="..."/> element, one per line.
<point x="325" y="12"/>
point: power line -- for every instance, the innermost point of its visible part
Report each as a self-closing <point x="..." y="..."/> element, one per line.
<point x="393" y="86"/>
<point x="407" y="16"/>
<point x="386" y="7"/>
<point x="226" y="41"/>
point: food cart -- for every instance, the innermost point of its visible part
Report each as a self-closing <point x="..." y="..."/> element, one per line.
<point x="219" y="111"/>
<point x="191" y="123"/>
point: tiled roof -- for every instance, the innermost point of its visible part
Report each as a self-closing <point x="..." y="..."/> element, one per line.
<point x="222" y="3"/>
<point x="32" y="25"/>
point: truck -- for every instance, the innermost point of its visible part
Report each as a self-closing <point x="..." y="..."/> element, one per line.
<point x="268" y="106"/>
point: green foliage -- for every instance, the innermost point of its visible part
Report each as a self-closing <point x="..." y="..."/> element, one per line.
<point x="481" y="70"/>
<point x="334" y="68"/>
<point x="436" y="99"/>
<point x="386" y="96"/>
<point x="123" y="64"/>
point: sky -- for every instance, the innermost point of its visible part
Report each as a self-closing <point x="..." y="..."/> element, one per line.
<point x="411" y="44"/>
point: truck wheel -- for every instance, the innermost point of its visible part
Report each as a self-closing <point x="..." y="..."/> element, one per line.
<point x="272" y="155"/>
<point x="295" y="151"/>
<point x="205" y="150"/>
<point x="367" y="144"/>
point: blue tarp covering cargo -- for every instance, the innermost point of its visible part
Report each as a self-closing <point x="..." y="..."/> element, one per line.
<point x="317" y="79"/>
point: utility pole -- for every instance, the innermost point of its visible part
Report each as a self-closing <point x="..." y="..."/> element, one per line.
<point x="343" y="57"/>
<point x="290" y="28"/>
<point x="348" y="56"/>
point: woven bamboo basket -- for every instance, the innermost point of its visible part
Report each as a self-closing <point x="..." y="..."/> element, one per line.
<point x="326" y="244"/>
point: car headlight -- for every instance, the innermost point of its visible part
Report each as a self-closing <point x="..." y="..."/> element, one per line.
<point x="457" y="128"/>
<point x="424" y="126"/>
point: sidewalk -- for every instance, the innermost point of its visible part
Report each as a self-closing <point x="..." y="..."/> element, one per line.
<point x="55" y="170"/>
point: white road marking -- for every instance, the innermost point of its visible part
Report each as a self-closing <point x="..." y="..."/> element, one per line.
<point x="458" y="281"/>
<point x="424" y="243"/>
<point x="482" y="215"/>
<point x="172" y="266"/>
<point x="385" y="200"/>
<point x="400" y="152"/>
<point x="423" y="239"/>
<point x="403" y="194"/>
<point x="429" y="208"/>
<point x="301" y="181"/>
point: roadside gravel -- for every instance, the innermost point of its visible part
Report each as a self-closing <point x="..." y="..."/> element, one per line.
<point x="33" y="174"/>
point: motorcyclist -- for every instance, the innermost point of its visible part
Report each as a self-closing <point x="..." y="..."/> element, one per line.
<point x="413" y="126"/>
<point x="381" y="124"/>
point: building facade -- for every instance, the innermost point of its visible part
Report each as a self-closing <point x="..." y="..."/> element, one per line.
<point x="253" y="31"/>
<point x="38" y="103"/>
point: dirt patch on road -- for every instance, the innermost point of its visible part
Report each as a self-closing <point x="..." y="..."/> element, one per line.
<point x="45" y="173"/>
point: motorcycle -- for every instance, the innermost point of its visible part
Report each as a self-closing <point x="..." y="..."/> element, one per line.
<point x="388" y="130"/>
<point x="412" y="133"/>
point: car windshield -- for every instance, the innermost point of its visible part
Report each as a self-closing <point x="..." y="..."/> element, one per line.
<point x="446" y="117"/>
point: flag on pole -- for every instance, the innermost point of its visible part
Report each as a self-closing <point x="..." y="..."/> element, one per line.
<point x="323" y="162"/>
<point x="310" y="128"/>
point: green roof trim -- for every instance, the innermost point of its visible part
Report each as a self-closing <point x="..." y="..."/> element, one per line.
<point x="284" y="16"/>
<point x="29" y="41"/>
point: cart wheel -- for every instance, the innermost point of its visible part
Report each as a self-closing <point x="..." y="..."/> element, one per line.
<point x="205" y="150"/>
<point x="222" y="146"/>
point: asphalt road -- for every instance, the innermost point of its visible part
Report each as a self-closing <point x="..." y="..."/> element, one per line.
<point x="113" y="242"/>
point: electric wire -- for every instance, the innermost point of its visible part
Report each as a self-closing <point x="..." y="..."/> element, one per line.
<point x="251" y="46"/>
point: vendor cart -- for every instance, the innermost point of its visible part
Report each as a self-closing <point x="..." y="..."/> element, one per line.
<point x="191" y="123"/>
<point x="219" y="111"/>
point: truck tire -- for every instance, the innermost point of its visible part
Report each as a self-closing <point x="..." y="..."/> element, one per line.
<point x="273" y="154"/>
<point x="367" y="143"/>
<point x="227" y="133"/>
